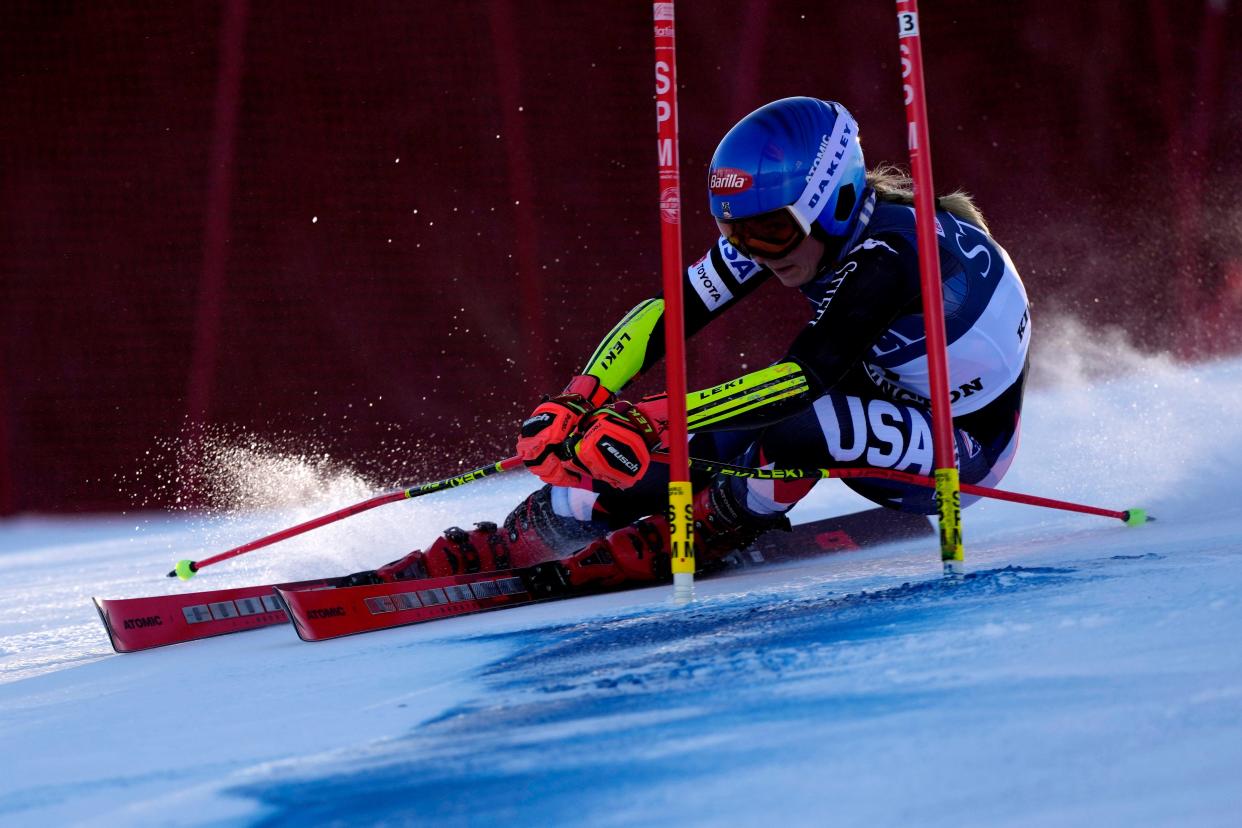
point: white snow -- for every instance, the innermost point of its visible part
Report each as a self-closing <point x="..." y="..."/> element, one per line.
<point x="1089" y="674"/>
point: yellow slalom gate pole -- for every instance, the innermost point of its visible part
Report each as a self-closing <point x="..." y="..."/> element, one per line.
<point x="680" y="496"/>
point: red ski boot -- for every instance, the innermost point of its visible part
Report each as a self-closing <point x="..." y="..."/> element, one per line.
<point x="532" y="533"/>
<point x="639" y="552"/>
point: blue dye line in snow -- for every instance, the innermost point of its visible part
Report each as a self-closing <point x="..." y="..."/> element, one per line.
<point x="566" y="731"/>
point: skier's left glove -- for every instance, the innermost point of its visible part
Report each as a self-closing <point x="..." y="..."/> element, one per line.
<point x="615" y="442"/>
<point x="541" y="443"/>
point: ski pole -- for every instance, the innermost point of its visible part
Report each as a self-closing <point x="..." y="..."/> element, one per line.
<point x="1131" y="517"/>
<point x="185" y="569"/>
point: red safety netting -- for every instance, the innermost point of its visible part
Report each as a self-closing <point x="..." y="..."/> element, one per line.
<point x="385" y="229"/>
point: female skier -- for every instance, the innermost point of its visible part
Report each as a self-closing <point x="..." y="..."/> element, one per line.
<point x="793" y="201"/>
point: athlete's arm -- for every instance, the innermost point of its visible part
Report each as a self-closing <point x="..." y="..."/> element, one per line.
<point x="712" y="285"/>
<point x="875" y="283"/>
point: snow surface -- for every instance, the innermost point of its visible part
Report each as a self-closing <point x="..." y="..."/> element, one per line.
<point x="1085" y="674"/>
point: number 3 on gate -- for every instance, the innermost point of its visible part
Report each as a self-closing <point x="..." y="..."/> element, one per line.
<point x="907" y="24"/>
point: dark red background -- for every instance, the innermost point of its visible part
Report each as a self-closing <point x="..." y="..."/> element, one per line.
<point x="205" y="221"/>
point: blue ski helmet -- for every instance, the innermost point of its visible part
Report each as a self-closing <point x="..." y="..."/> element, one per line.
<point x="800" y="153"/>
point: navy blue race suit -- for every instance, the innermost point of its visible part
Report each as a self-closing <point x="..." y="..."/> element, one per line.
<point x="852" y="388"/>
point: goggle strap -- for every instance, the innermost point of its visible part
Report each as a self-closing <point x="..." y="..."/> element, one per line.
<point x="797" y="216"/>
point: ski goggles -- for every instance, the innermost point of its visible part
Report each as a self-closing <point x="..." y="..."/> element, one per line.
<point x="771" y="235"/>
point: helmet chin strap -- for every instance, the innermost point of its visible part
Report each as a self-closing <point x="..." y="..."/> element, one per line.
<point x="833" y="247"/>
<point x="836" y="246"/>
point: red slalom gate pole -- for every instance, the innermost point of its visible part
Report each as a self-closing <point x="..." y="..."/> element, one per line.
<point x="186" y="569"/>
<point x="680" y="497"/>
<point x="948" y="488"/>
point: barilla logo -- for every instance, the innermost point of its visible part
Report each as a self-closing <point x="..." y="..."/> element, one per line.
<point x="727" y="181"/>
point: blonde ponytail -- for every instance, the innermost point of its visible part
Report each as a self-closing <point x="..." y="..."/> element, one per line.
<point x="895" y="185"/>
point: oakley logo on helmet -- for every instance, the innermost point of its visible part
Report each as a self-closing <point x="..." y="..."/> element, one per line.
<point x="727" y="181"/>
<point x="830" y="175"/>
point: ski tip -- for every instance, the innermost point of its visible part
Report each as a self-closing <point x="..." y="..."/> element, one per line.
<point x="293" y="617"/>
<point x="103" y="616"/>
<point x="1137" y="517"/>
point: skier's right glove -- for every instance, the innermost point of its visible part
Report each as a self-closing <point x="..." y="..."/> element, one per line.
<point x="616" y="441"/>
<point x="542" y="442"/>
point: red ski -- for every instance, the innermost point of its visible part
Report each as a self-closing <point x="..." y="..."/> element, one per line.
<point x="142" y="623"/>
<point x="320" y="614"/>
<point x="135" y="624"/>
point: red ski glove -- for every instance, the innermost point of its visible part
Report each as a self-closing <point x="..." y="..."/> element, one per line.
<point x="616" y="441"/>
<point x="542" y="442"/>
